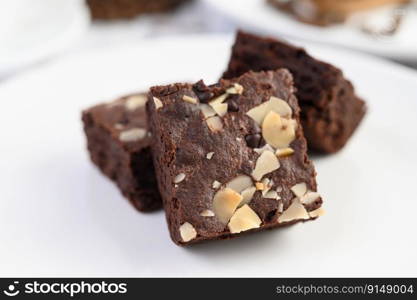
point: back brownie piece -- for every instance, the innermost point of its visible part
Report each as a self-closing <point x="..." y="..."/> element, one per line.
<point x="231" y="157"/>
<point x="119" y="144"/>
<point x="330" y="110"/>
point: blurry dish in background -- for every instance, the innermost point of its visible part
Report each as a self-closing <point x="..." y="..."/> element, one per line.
<point x="328" y="12"/>
<point x="387" y="30"/>
<point x="33" y="30"/>
<point x="120" y="9"/>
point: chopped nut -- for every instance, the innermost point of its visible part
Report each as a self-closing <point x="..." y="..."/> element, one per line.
<point x="180" y="177"/>
<point x="268" y="183"/>
<point x="132" y="135"/>
<point x="299" y="189"/>
<point x="219" y="108"/>
<point x="279" y="189"/>
<point x="240" y="183"/>
<point x="119" y="126"/>
<point x="274" y="104"/>
<point x="266" y="163"/>
<point x="225" y="203"/>
<point x="271" y="195"/>
<point x="244" y="219"/>
<point x="280" y="207"/>
<point x="266" y="147"/>
<point x="207" y="111"/>
<point x="235" y="89"/>
<point x="317" y="213"/>
<point x="309" y="197"/>
<point x="259" y="186"/>
<point x="259" y="112"/>
<point x="216" y="184"/>
<point x="158" y="103"/>
<point x="187" y="232"/>
<point x="215" y="124"/>
<point x="207" y="213"/>
<point x="280" y="106"/>
<point x="189" y="99"/>
<point x="284" y="152"/>
<point x="209" y="155"/>
<point x="136" y="101"/>
<point x="277" y="131"/>
<point x="247" y="195"/>
<point x="295" y="211"/>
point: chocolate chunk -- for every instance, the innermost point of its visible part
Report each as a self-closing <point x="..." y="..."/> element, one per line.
<point x="202" y="91"/>
<point x="253" y="140"/>
<point x="231" y="101"/>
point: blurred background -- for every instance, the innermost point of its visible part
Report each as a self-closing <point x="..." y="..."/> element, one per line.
<point x="33" y="33"/>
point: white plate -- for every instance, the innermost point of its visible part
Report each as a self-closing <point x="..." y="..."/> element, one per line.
<point x="259" y="15"/>
<point x="33" y="30"/>
<point x="60" y="217"/>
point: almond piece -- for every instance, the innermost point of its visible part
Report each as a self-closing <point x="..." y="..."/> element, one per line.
<point x="259" y="186"/>
<point x="280" y="106"/>
<point x="189" y="99"/>
<point x="299" y="189"/>
<point x="266" y="163"/>
<point x="219" y="108"/>
<point x="244" y="219"/>
<point x="309" y="197"/>
<point x="317" y="212"/>
<point x="216" y="184"/>
<point x="158" y="103"/>
<point x="187" y="232"/>
<point x="180" y="177"/>
<point x="240" y="183"/>
<point x="295" y="211"/>
<point x="235" y="89"/>
<point x="247" y="195"/>
<point x="271" y="195"/>
<point x="207" y="213"/>
<point x="284" y="152"/>
<point x="225" y="203"/>
<point x="132" y="135"/>
<point x="215" y="124"/>
<point x="209" y="155"/>
<point x="276" y="131"/>
<point x="207" y="111"/>
<point x="275" y="104"/>
<point x="134" y="102"/>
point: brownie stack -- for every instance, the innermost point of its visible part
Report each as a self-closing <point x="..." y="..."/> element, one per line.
<point x="228" y="158"/>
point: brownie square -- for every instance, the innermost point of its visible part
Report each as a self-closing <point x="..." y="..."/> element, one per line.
<point x="231" y="157"/>
<point x="119" y="144"/>
<point x="330" y="109"/>
<point x="120" y="9"/>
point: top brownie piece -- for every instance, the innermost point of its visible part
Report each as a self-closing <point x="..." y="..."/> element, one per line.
<point x="231" y="157"/>
<point x="119" y="144"/>
<point x="330" y="110"/>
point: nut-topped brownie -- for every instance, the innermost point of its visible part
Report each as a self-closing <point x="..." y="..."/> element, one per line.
<point x="231" y="157"/>
<point x="119" y="144"/>
<point x="330" y="109"/>
<point x="119" y="9"/>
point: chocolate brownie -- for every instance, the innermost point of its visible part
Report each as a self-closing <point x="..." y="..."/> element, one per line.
<point x="330" y="109"/>
<point x="231" y="157"/>
<point x="118" y="9"/>
<point x="119" y="144"/>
